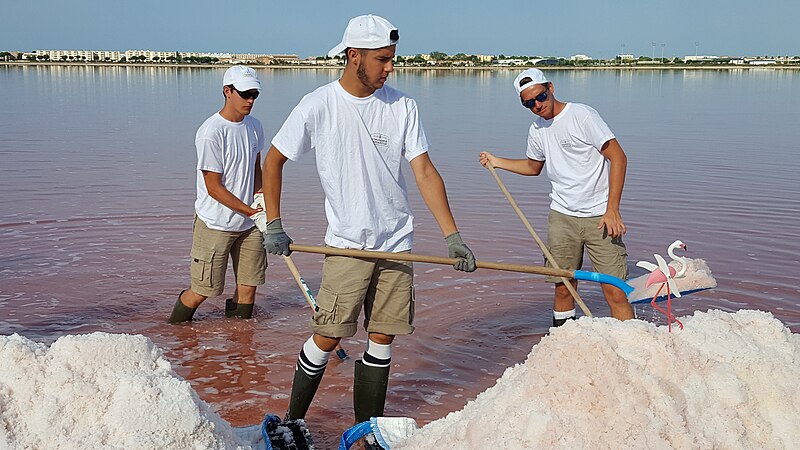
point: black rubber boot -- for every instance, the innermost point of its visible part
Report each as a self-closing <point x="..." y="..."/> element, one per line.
<point x="181" y="312"/>
<point x="369" y="391"/>
<point x="241" y="310"/>
<point x="303" y="390"/>
<point x="559" y="322"/>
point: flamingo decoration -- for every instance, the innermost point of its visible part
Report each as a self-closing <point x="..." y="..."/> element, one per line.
<point x="666" y="274"/>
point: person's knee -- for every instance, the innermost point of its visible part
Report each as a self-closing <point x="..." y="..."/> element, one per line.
<point x="245" y="294"/>
<point x="326" y="343"/>
<point x="192" y="299"/>
<point x="380" y="338"/>
<point x="562" y="292"/>
<point x="615" y="296"/>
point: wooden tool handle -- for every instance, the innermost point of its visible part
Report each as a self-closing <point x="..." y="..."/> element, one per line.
<point x="370" y="254"/>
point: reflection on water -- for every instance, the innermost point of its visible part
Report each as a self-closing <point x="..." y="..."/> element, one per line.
<point x="98" y="187"/>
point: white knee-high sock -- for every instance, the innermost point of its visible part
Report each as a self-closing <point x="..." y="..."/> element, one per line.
<point x="377" y="355"/>
<point x="312" y="359"/>
<point x="564" y="314"/>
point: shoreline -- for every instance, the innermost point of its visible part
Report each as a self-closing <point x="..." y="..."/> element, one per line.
<point x="435" y="68"/>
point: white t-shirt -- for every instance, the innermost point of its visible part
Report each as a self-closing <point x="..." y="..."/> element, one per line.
<point x="229" y="148"/>
<point x="359" y="143"/>
<point x="570" y="144"/>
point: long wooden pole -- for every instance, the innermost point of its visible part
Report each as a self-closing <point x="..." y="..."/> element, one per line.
<point x="541" y="244"/>
<point x="301" y="283"/>
<point x="370" y="254"/>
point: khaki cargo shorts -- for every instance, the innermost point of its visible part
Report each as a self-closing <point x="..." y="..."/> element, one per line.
<point x="385" y="289"/>
<point x="210" y="251"/>
<point x="567" y="236"/>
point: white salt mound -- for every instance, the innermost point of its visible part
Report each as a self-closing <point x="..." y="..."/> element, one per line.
<point x="101" y="391"/>
<point x="728" y="380"/>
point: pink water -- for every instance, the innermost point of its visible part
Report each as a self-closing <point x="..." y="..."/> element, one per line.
<point x="96" y="211"/>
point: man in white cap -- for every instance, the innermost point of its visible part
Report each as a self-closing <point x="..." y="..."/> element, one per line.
<point x="228" y="145"/>
<point x="361" y="129"/>
<point x="586" y="167"/>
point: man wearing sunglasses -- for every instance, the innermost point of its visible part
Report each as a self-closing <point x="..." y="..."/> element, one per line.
<point x="361" y="130"/>
<point x="586" y="167"/>
<point x="228" y="175"/>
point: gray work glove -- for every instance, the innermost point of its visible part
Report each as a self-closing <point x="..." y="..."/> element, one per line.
<point x="276" y="241"/>
<point x="457" y="249"/>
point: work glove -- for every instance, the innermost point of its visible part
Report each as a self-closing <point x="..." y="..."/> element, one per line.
<point x="457" y="249"/>
<point x="259" y="218"/>
<point x="276" y="241"/>
<point x="258" y="200"/>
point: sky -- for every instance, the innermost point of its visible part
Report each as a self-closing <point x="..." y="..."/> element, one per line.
<point x="600" y="29"/>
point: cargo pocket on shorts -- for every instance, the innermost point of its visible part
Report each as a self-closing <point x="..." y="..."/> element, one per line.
<point x="326" y="307"/>
<point x="623" y="258"/>
<point x="201" y="266"/>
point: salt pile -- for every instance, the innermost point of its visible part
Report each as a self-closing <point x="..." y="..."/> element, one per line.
<point x="728" y="380"/>
<point x="101" y="391"/>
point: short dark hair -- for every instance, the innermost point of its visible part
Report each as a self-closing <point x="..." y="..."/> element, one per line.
<point x="230" y="86"/>
<point x="527" y="80"/>
<point x="361" y="51"/>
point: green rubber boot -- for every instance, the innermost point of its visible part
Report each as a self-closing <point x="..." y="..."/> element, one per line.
<point x="241" y="310"/>
<point x="369" y="391"/>
<point x="303" y="390"/>
<point x="181" y="312"/>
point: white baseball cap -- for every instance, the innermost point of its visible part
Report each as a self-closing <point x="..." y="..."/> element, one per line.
<point x="536" y="76"/>
<point x="367" y="32"/>
<point x="243" y="78"/>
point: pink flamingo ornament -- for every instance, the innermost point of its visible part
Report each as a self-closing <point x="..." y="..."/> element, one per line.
<point x="666" y="274"/>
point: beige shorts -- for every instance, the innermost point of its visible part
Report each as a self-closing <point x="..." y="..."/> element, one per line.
<point x="567" y="236"/>
<point x="385" y="289"/>
<point x="210" y="250"/>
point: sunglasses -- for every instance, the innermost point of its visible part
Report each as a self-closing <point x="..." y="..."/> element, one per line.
<point x="247" y="95"/>
<point x="532" y="102"/>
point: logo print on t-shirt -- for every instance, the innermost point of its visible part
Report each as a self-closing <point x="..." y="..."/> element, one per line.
<point x="565" y="143"/>
<point x="380" y="140"/>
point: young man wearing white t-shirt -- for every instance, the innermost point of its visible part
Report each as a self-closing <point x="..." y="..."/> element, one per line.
<point x="361" y="130"/>
<point x="228" y="174"/>
<point x="586" y="167"/>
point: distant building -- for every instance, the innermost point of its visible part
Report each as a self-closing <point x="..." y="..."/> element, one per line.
<point x="544" y="62"/>
<point x="148" y="55"/>
<point x="248" y="58"/>
<point x="285" y="59"/>
<point x="762" y="62"/>
<point x="78" y="55"/>
<point x="158" y="56"/>
<point x="625" y="57"/>
<point x="580" y="58"/>
<point x="700" y="58"/>
<point x="509" y="62"/>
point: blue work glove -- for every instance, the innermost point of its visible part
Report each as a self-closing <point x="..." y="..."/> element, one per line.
<point x="457" y="249"/>
<point x="276" y="241"/>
